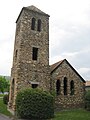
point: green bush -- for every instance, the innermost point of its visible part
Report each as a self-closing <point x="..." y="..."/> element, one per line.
<point x="87" y="100"/>
<point x="34" y="104"/>
<point x="5" y="99"/>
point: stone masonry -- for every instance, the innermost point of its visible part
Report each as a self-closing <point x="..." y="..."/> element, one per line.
<point x="59" y="71"/>
<point x="31" y="63"/>
<point x="27" y="72"/>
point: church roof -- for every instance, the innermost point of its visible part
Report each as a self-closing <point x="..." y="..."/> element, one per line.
<point x="34" y="9"/>
<point x="57" y="64"/>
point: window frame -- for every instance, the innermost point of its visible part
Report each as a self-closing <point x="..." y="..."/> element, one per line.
<point x="34" y="53"/>
<point x="33" y="23"/>
<point x="58" y="84"/>
<point x="39" y="25"/>
<point x="65" y="85"/>
<point x="72" y="87"/>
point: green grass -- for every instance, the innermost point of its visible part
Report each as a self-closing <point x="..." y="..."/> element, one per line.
<point x="1" y="95"/>
<point x="63" y="115"/>
<point x="3" y="108"/>
<point x="72" y="115"/>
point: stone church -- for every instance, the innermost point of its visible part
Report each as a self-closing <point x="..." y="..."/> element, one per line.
<point x="31" y="63"/>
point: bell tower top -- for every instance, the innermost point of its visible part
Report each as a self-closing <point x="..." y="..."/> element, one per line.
<point x="33" y="9"/>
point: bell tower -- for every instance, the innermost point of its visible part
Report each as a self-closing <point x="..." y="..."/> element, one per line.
<point x="31" y="52"/>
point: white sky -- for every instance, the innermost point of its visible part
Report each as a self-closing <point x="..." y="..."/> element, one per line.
<point x="69" y="31"/>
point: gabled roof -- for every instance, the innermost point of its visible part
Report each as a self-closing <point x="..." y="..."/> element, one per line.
<point x="34" y="9"/>
<point x="54" y="66"/>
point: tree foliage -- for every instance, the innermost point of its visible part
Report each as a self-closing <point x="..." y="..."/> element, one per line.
<point x="4" y="84"/>
<point x="87" y="100"/>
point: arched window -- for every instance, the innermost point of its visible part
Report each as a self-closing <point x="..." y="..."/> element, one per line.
<point x="72" y="87"/>
<point x="58" y="87"/>
<point x="33" y="24"/>
<point x="39" y="25"/>
<point x="65" y="86"/>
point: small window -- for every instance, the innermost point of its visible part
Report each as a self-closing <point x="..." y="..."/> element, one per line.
<point x="58" y="87"/>
<point x="33" y="24"/>
<point x="65" y="86"/>
<point x="16" y="53"/>
<point x="72" y="87"/>
<point x="34" y="85"/>
<point x="39" y="25"/>
<point x="35" y="53"/>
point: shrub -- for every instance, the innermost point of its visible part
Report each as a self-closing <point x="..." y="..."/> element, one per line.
<point x="87" y="100"/>
<point x="5" y="99"/>
<point x="34" y="104"/>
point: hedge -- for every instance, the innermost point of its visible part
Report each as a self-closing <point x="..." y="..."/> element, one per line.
<point x="87" y="100"/>
<point x="34" y="104"/>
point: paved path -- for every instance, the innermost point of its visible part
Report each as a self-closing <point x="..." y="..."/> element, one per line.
<point x="3" y="117"/>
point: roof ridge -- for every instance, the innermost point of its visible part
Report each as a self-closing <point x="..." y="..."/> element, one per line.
<point x="54" y="66"/>
<point x="34" y="8"/>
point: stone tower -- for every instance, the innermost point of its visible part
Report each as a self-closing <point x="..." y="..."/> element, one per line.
<point x="31" y="52"/>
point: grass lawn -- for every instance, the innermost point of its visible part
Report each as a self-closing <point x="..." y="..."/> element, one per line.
<point x="1" y="95"/>
<point x="63" y="115"/>
<point x="72" y="115"/>
<point x="3" y="108"/>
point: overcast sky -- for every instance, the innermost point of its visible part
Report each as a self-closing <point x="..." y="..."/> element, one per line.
<point x="69" y="32"/>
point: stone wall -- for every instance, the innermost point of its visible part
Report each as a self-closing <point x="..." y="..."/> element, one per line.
<point x="68" y="101"/>
<point x="26" y="71"/>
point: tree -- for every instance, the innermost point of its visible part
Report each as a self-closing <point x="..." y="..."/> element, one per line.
<point x="4" y="84"/>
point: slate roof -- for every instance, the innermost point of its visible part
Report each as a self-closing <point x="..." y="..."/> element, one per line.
<point x="34" y="9"/>
<point x="57" y="64"/>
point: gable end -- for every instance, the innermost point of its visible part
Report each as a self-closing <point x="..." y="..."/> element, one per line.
<point x="56" y="65"/>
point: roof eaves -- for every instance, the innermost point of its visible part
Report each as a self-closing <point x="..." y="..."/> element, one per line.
<point x="75" y="71"/>
<point x="57" y="65"/>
